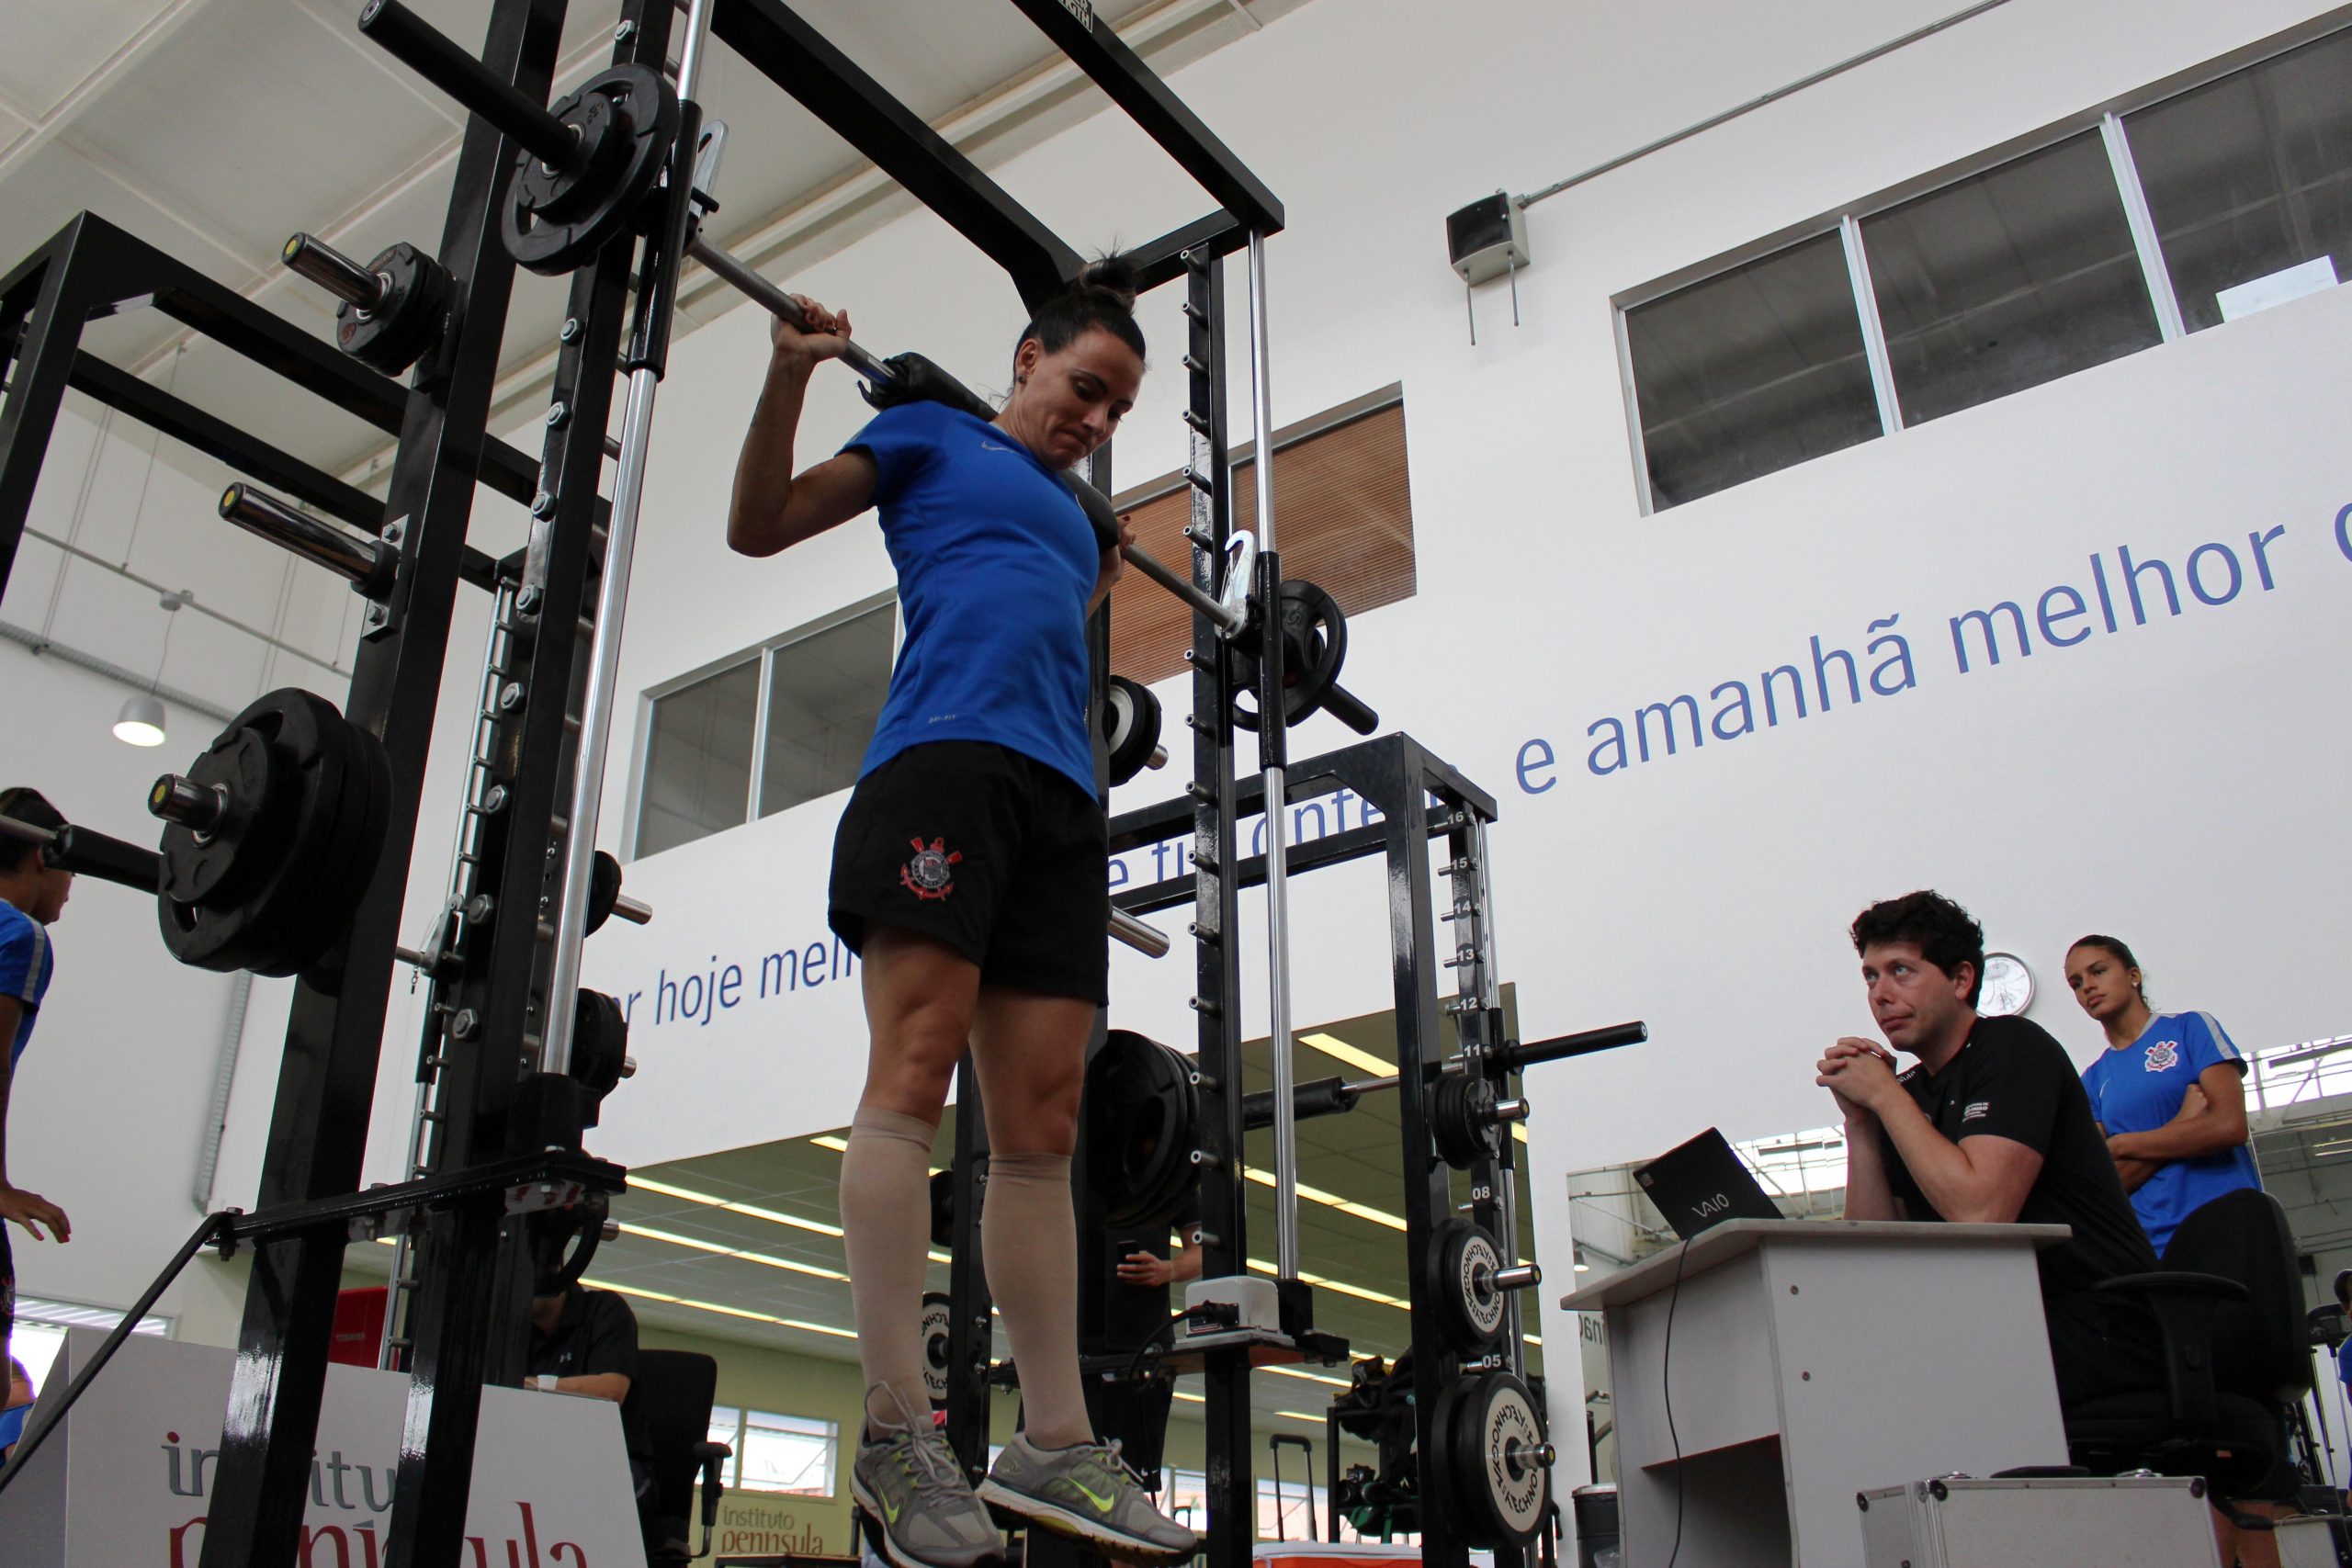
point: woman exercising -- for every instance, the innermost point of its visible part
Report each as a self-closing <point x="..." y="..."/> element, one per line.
<point x="2168" y="1091"/>
<point x="970" y="871"/>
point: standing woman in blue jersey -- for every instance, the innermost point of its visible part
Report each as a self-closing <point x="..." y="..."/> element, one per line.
<point x="2169" y="1091"/>
<point x="32" y="896"/>
<point x="970" y="872"/>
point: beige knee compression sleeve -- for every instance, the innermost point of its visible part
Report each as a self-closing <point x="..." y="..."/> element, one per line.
<point x="886" y="1218"/>
<point x="1030" y="1239"/>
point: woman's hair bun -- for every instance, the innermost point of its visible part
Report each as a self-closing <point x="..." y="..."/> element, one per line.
<point x="1113" y="274"/>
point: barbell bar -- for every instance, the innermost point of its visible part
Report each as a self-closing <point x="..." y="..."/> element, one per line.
<point x="432" y="55"/>
<point x="86" y="852"/>
<point x="308" y="257"/>
<point x="1150" y="941"/>
<point x="365" y="565"/>
<point x="879" y="373"/>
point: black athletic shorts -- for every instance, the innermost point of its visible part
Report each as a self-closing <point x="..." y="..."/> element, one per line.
<point x="993" y="852"/>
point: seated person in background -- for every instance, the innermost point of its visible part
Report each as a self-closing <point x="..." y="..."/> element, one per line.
<point x="2168" y="1091"/>
<point x="2343" y="1351"/>
<point x="1991" y="1126"/>
<point x="1139" y="1307"/>
<point x="585" y="1342"/>
<point x="16" y="1408"/>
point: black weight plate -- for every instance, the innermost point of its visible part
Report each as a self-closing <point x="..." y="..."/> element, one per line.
<point x="586" y="213"/>
<point x="1461" y="1262"/>
<point x="316" y="951"/>
<point x="219" y="866"/>
<point x="1315" y="648"/>
<point x="599" y="1042"/>
<point x="255" y="932"/>
<point x="604" y="888"/>
<point x="395" y="335"/>
<point x="937" y="1338"/>
<point x="942" y="1208"/>
<point x="1501" y="1487"/>
<point x="1136" y="1102"/>
<point x="1131" y="726"/>
<point x="1462" y="1119"/>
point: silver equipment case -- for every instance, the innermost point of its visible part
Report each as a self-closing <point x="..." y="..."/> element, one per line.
<point x="2128" y="1521"/>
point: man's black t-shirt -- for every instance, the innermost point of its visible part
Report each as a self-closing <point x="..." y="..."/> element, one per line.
<point x="2012" y="1080"/>
<point x="595" y="1334"/>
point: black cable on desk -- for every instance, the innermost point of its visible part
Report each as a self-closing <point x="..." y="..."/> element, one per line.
<point x="1666" y="1378"/>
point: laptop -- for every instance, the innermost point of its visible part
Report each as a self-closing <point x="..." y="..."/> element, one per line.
<point x="1700" y="1184"/>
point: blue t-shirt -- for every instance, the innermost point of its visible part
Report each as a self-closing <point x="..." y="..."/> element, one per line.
<point x="996" y="562"/>
<point x="2141" y="1087"/>
<point x="25" y="963"/>
<point x="2344" y="1363"/>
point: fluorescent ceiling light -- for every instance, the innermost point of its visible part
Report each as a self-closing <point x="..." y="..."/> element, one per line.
<point x="1192" y="1398"/>
<point x="689" y="1195"/>
<point x="1310" y="1377"/>
<point x="724" y="1251"/>
<point x="827" y="1141"/>
<point x="1339" y="1049"/>
<point x="668" y="1298"/>
<point x="1261" y="1265"/>
<point x="1332" y="1200"/>
<point x="1298" y="1416"/>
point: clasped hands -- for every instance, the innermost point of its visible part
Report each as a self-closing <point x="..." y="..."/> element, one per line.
<point x="1859" y="1073"/>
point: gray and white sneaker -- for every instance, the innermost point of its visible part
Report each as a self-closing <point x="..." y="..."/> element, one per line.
<point x="920" y="1510"/>
<point x="1086" y="1491"/>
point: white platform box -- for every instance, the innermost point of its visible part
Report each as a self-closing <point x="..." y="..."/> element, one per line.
<point x="127" y="1482"/>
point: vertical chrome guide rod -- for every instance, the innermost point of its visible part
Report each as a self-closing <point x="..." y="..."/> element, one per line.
<point x="603" y="671"/>
<point x="1277" y="806"/>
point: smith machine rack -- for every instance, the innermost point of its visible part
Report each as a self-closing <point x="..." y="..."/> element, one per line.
<point x="516" y="1056"/>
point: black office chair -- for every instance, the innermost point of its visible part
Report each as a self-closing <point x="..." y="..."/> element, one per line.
<point x="671" y="1395"/>
<point x="2227" y="1312"/>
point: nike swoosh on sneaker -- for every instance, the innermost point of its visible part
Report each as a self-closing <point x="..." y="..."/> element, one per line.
<point x="1100" y="1503"/>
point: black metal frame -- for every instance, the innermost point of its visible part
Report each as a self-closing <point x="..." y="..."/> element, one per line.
<point x="1420" y="798"/>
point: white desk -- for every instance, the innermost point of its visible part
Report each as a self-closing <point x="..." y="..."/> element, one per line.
<point x="1811" y="1360"/>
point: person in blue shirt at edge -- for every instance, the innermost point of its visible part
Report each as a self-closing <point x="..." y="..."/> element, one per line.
<point x="2343" y="1351"/>
<point x="2168" y="1091"/>
<point x="970" y="873"/>
<point x="32" y="896"/>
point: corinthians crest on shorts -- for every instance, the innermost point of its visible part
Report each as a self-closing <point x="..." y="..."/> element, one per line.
<point x="931" y="873"/>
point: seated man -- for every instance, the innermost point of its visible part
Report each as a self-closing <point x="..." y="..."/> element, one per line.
<point x="1992" y="1125"/>
<point x="585" y="1342"/>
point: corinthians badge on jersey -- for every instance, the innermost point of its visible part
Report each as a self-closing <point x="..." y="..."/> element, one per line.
<point x="930" y="874"/>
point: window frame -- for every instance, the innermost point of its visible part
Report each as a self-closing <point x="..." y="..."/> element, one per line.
<point x="828" y="1433"/>
<point x="2106" y="119"/>
<point x="764" y="652"/>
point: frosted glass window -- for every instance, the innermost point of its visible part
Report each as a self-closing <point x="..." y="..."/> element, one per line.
<point x="2007" y="279"/>
<point x="2250" y="178"/>
<point x="1749" y="372"/>
<point x="825" y="694"/>
<point x="698" y="759"/>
